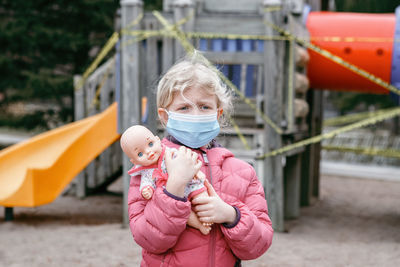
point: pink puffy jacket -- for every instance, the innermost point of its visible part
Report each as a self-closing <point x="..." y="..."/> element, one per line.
<point x="159" y="225"/>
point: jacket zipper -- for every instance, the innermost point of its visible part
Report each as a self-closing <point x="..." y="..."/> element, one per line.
<point x="213" y="229"/>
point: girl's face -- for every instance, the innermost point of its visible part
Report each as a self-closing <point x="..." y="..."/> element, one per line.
<point x="195" y="101"/>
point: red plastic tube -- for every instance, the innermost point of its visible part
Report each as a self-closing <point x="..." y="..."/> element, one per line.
<point x="365" y="40"/>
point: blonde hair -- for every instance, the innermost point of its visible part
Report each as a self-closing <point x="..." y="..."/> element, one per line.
<point x="190" y="73"/>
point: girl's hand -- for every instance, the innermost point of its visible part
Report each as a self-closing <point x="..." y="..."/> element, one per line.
<point x="213" y="209"/>
<point x="181" y="167"/>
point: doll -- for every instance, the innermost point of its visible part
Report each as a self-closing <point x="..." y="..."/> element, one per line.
<point x="146" y="152"/>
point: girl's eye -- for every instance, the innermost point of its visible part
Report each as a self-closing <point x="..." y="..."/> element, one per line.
<point x="151" y="144"/>
<point x="183" y="108"/>
<point x="205" y="107"/>
<point x="140" y="154"/>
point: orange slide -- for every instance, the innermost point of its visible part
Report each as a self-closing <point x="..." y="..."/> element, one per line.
<point x="36" y="171"/>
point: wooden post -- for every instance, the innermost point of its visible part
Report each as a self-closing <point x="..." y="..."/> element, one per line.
<point x="151" y="78"/>
<point x="292" y="187"/>
<point x="105" y="102"/>
<point x="79" y="113"/>
<point x="316" y="116"/>
<point x="183" y="9"/>
<point x="8" y="214"/>
<point x="316" y="129"/>
<point x="130" y="96"/>
<point x="90" y="87"/>
<point x="273" y="169"/>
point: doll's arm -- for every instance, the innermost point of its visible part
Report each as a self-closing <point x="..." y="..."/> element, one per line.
<point x="147" y="184"/>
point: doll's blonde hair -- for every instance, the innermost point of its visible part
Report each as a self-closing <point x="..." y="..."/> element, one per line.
<point x="193" y="73"/>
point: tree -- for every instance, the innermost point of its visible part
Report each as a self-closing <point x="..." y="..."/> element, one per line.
<point x="44" y="43"/>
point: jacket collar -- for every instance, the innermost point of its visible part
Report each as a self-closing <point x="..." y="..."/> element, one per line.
<point x="213" y="143"/>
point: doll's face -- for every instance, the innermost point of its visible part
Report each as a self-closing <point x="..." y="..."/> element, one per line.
<point x="143" y="148"/>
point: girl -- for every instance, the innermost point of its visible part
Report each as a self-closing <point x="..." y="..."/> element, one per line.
<point x="190" y="100"/>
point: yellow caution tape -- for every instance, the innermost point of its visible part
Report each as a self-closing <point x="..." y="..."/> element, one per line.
<point x="104" y="51"/>
<point x="336" y="59"/>
<point x="232" y="36"/>
<point x="316" y="139"/>
<point x="389" y="153"/>
<point x="208" y="35"/>
<point x="239" y="133"/>
<point x="350" y="39"/>
<point x="272" y="9"/>
<point x="353" y="117"/>
<point x="133" y="23"/>
<point x="185" y="19"/>
<point x="95" y="101"/>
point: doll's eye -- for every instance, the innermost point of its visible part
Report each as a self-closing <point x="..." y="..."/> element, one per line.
<point x="151" y="144"/>
<point x="140" y="154"/>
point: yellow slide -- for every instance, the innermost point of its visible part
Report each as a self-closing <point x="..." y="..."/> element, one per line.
<point x="36" y="171"/>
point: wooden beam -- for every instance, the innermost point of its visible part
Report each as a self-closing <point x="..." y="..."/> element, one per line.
<point x="273" y="84"/>
<point x="130" y="103"/>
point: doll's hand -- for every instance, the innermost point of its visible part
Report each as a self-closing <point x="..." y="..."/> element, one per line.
<point x="213" y="209"/>
<point x="181" y="168"/>
<point x="147" y="192"/>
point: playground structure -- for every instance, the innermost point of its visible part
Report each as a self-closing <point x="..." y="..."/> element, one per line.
<point x="268" y="71"/>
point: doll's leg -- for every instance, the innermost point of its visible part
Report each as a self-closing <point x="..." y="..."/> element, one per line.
<point x="194" y="222"/>
<point x="147" y="192"/>
<point x="202" y="194"/>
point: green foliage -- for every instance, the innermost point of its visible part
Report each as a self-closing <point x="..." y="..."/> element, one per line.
<point x="44" y="43"/>
<point x="350" y="101"/>
<point x="367" y="6"/>
<point x="152" y="4"/>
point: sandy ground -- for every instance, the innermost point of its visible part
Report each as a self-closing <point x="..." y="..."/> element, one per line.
<point x="356" y="222"/>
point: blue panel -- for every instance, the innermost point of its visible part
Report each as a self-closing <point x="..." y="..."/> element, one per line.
<point x="260" y="48"/>
<point x="306" y="12"/>
<point x="247" y="47"/>
<point x="203" y="45"/>
<point x="232" y="46"/>
<point x="217" y="45"/>
<point x="395" y="75"/>
<point x="260" y="45"/>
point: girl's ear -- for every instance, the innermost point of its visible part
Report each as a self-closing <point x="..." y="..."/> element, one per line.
<point x="163" y="115"/>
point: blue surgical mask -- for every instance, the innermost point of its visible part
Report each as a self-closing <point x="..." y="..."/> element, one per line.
<point x="193" y="130"/>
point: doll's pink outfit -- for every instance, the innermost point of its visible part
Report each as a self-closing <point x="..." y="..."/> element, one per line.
<point x="159" y="225"/>
<point x="156" y="175"/>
